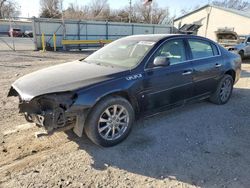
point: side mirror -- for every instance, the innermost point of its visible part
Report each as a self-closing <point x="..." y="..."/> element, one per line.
<point x="161" y="61"/>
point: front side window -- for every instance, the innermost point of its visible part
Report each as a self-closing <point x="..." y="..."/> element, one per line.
<point x="200" y="49"/>
<point x="174" y="50"/>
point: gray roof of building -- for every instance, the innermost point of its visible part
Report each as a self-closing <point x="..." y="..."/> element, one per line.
<point x="234" y="11"/>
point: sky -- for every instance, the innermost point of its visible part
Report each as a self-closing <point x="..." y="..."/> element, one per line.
<point x="31" y="8"/>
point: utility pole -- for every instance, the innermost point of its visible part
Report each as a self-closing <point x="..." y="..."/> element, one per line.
<point x="130" y="11"/>
<point x="11" y="29"/>
<point x="151" y="14"/>
<point x="63" y="24"/>
<point x="209" y="9"/>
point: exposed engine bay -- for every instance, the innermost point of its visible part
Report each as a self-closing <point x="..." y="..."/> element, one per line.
<point x="50" y="111"/>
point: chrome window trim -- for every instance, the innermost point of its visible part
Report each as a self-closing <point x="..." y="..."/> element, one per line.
<point x="145" y="66"/>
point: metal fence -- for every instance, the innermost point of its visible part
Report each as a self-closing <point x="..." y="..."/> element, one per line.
<point x="69" y="30"/>
<point x="23" y="42"/>
<point x="88" y="30"/>
<point x="25" y="24"/>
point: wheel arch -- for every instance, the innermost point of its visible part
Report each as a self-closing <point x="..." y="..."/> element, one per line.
<point x="124" y="94"/>
<point x="93" y="100"/>
<point x="242" y="53"/>
<point x="232" y="73"/>
<point x="242" y="50"/>
<point x="133" y="101"/>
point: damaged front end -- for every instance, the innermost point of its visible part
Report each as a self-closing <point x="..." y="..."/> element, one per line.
<point x="52" y="111"/>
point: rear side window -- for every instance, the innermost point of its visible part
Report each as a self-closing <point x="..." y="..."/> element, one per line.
<point x="201" y="49"/>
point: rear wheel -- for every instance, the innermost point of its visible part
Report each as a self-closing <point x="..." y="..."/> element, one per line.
<point x="110" y="121"/>
<point x="223" y="91"/>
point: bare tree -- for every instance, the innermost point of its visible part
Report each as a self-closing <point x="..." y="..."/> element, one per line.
<point x="1" y="7"/>
<point x="146" y="14"/>
<point x="74" y="11"/>
<point x="123" y="15"/>
<point x="100" y="8"/>
<point x="97" y="10"/>
<point x="234" y="4"/>
<point x="9" y="8"/>
<point x="50" y="9"/>
<point x="187" y="10"/>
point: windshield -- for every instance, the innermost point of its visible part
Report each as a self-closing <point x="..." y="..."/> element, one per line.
<point x="125" y="53"/>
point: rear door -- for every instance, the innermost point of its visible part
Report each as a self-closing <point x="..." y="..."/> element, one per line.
<point x="207" y="63"/>
<point x="171" y="85"/>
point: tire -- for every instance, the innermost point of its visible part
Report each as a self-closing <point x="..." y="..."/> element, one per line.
<point x="223" y="91"/>
<point x="105" y="129"/>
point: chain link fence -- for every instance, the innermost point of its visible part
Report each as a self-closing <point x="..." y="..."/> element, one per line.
<point x="16" y="34"/>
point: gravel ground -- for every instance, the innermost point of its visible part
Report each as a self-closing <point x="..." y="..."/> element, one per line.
<point x="199" y="145"/>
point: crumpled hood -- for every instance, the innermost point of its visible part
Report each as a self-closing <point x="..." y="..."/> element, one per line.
<point x="61" y="78"/>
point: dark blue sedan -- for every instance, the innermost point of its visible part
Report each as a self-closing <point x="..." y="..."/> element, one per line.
<point x="134" y="76"/>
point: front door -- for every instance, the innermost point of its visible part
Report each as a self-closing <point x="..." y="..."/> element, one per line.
<point x="170" y="85"/>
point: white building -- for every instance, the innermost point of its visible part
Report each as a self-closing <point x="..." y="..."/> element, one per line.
<point x="211" y="18"/>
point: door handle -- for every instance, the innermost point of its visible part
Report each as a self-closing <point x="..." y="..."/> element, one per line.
<point x="218" y="65"/>
<point x="187" y="73"/>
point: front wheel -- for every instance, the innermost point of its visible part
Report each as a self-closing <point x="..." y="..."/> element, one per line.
<point x="223" y="91"/>
<point x="110" y="121"/>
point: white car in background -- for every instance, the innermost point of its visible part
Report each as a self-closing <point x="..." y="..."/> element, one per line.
<point x="243" y="48"/>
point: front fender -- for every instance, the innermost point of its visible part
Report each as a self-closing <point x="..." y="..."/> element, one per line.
<point x="88" y="98"/>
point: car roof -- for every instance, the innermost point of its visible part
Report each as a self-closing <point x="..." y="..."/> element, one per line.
<point x="158" y="37"/>
<point x="150" y="37"/>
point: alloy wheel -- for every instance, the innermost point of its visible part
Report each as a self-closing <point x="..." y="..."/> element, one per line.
<point x="226" y="89"/>
<point x="113" y="122"/>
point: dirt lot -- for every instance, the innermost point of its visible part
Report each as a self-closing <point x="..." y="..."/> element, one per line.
<point x="199" y="145"/>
